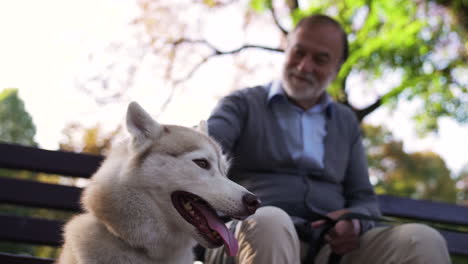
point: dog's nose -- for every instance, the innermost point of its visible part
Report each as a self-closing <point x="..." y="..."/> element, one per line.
<point x="251" y="202"/>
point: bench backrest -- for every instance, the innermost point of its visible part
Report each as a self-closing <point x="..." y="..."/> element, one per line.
<point x="31" y="230"/>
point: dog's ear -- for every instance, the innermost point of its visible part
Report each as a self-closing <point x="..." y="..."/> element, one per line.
<point x="140" y="125"/>
<point x="203" y="127"/>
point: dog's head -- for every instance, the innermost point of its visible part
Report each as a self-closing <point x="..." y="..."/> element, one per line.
<point x="179" y="173"/>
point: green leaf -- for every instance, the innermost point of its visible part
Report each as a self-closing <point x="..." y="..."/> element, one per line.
<point x="259" y="5"/>
<point x="16" y="125"/>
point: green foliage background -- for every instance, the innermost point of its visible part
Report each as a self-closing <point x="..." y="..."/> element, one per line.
<point x="426" y="50"/>
<point x="16" y="126"/>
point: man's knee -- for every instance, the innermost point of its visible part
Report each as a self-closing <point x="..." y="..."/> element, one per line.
<point x="422" y="244"/>
<point x="420" y="235"/>
<point x="407" y="243"/>
<point x="268" y="236"/>
<point x="269" y="220"/>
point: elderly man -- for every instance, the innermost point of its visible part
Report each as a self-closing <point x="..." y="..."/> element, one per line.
<point x="301" y="153"/>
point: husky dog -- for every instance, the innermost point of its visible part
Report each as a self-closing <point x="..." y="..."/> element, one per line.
<point x="156" y="195"/>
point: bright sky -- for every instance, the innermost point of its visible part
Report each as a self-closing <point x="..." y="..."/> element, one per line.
<point x="44" y="43"/>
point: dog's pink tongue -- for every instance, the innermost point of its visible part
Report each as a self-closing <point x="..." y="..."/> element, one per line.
<point x="230" y="242"/>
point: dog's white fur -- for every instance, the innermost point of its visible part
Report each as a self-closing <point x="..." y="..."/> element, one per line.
<point x="129" y="216"/>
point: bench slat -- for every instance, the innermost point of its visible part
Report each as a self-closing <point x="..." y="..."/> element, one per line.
<point x="457" y="243"/>
<point x="19" y="259"/>
<point x="423" y="210"/>
<point x="37" y="194"/>
<point x="40" y="160"/>
<point x="31" y="230"/>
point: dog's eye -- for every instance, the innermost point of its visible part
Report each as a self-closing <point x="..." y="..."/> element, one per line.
<point x="202" y="163"/>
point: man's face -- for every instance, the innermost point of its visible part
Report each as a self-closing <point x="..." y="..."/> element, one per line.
<point x="313" y="58"/>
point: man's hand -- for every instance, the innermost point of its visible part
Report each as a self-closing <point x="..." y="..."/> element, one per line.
<point x="344" y="237"/>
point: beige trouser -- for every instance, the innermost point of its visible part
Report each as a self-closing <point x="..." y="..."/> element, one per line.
<point x="269" y="237"/>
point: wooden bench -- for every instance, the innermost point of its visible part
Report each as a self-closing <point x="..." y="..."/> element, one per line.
<point x="37" y="231"/>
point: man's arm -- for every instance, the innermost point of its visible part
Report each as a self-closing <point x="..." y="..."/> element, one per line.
<point x="227" y="120"/>
<point x="360" y="198"/>
<point x="358" y="191"/>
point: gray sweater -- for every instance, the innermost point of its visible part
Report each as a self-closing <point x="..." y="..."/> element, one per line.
<point x="245" y="126"/>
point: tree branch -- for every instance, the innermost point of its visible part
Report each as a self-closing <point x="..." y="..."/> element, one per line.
<point x="345" y="93"/>
<point x="215" y="52"/>
<point x="275" y="19"/>
<point x="292" y="4"/>
<point x="362" y="113"/>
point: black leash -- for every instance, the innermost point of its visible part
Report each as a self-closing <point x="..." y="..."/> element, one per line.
<point x="335" y="258"/>
<point x="315" y="245"/>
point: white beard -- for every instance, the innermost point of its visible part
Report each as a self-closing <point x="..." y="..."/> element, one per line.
<point x="306" y="91"/>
